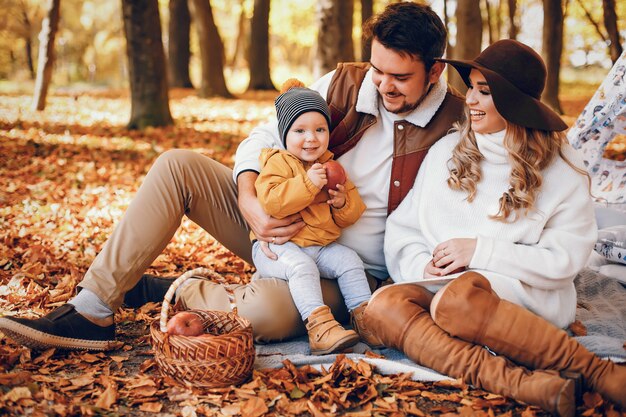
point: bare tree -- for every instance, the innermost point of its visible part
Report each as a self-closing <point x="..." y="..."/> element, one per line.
<point x="367" y="11"/>
<point x="260" y="78"/>
<point x="552" y="50"/>
<point x="211" y="51"/>
<point x="446" y="22"/>
<point x="513" y="27"/>
<point x="146" y="64"/>
<point x="469" y="25"/>
<point x="593" y="22"/>
<point x="334" y="37"/>
<point x="610" y="23"/>
<point x="20" y="19"/>
<point x="178" y="48"/>
<point x="240" y="44"/>
<point x="346" y="24"/>
<point x="493" y="20"/>
<point x="45" y="63"/>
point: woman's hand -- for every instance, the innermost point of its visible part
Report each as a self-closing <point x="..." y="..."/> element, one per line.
<point x="337" y="197"/>
<point x="454" y="255"/>
<point x="431" y="271"/>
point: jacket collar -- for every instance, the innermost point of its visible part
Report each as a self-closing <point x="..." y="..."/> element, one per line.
<point x="368" y="101"/>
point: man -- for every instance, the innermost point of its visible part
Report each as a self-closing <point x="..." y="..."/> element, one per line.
<point x="385" y="116"/>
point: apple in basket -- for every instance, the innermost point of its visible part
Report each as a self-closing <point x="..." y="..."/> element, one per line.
<point x="335" y="174"/>
<point x="185" y="323"/>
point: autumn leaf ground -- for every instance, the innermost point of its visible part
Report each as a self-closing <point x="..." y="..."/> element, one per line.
<point x="66" y="176"/>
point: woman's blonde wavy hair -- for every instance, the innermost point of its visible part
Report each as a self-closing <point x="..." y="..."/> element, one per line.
<point x="530" y="152"/>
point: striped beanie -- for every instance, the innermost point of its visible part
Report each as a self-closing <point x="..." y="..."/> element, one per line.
<point x="295" y="100"/>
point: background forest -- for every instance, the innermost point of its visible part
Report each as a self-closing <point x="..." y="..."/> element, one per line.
<point x="216" y="45"/>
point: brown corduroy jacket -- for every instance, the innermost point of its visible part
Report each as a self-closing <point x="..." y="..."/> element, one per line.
<point x="411" y="142"/>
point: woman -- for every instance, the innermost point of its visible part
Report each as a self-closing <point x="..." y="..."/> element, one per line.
<point x="501" y="209"/>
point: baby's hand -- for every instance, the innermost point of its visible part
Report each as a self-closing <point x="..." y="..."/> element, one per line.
<point x="337" y="197"/>
<point x="317" y="175"/>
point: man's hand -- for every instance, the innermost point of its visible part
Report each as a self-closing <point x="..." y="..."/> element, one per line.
<point x="267" y="229"/>
<point x="317" y="175"/>
<point x="337" y="197"/>
<point x="454" y="255"/>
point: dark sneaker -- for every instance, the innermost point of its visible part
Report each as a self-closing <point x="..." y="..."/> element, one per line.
<point x="63" y="328"/>
<point x="150" y="288"/>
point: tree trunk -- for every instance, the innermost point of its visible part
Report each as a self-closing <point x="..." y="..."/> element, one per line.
<point x="610" y="23"/>
<point x="146" y="65"/>
<point x="28" y="42"/>
<point x="552" y="50"/>
<point x="178" y="49"/>
<point x="446" y="22"/>
<point x="367" y="11"/>
<point x="346" y="24"/>
<point x="240" y="43"/>
<point x="29" y="57"/>
<point x="489" y="23"/>
<point x="498" y="17"/>
<point x="513" y="29"/>
<point x="211" y="51"/>
<point x="334" y="37"/>
<point x="593" y="22"/>
<point x="469" y="26"/>
<point x="260" y="78"/>
<point x="48" y="32"/>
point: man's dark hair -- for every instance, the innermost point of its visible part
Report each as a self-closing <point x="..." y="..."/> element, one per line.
<point x="409" y="28"/>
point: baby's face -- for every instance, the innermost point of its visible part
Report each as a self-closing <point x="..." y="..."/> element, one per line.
<point x="308" y="136"/>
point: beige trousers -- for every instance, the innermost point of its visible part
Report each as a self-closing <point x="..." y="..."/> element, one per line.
<point x="184" y="183"/>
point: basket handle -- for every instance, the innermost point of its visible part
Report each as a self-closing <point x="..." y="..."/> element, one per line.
<point x="169" y="295"/>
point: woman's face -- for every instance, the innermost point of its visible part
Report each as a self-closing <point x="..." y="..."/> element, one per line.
<point x="483" y="114"/>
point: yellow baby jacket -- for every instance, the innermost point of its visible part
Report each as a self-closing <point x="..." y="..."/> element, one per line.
<point x="283" y="188"/>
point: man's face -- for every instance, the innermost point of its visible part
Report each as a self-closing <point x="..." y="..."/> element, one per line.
<point x="401" y="80"/>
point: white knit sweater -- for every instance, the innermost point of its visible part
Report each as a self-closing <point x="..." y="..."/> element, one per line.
<point x="532" y="261"/>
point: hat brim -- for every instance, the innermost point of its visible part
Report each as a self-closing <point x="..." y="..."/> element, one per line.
<point x="512" y="103"/>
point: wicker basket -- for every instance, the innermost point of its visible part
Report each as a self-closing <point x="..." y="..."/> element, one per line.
<point x="221" y="357"/>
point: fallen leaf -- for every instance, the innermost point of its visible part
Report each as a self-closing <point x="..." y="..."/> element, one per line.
<point x="108" y="397"/>
<point x="578" y="328"/>
<point x="152" y="407"/>
<point x="17" y="394"/>
<point x="254" y="407"/>
<point x="592" y="399"/>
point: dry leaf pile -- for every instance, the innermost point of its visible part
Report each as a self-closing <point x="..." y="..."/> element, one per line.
<point x="66" y="177"/>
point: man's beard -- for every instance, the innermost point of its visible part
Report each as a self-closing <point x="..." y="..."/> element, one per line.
<point x="409" y="107"/>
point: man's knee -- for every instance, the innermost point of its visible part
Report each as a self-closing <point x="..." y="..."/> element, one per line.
<point x="267" y="303"/>
<point x="175" y="156"/>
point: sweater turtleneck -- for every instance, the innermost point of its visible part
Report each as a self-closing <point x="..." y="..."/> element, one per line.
<point x="491" y="145"/>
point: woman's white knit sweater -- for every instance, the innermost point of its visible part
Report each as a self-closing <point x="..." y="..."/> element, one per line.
<point x="532" y="261"/>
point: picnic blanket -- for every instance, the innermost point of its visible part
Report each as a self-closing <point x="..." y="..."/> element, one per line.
<point x="601" y="309"/>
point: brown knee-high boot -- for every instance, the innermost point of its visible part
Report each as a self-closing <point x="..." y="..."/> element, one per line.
<point x="399" y="316"/>
<point x="470" y="310"/>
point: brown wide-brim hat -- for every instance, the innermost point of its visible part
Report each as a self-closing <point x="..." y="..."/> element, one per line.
<point x="516" y="76"/>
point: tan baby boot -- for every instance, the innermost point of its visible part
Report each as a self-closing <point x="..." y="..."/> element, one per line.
<point x="326" y="335"/>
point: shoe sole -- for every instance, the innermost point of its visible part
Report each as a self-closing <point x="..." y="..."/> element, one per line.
<point x="39" y="340"/>
<point x="338" y="346"/>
